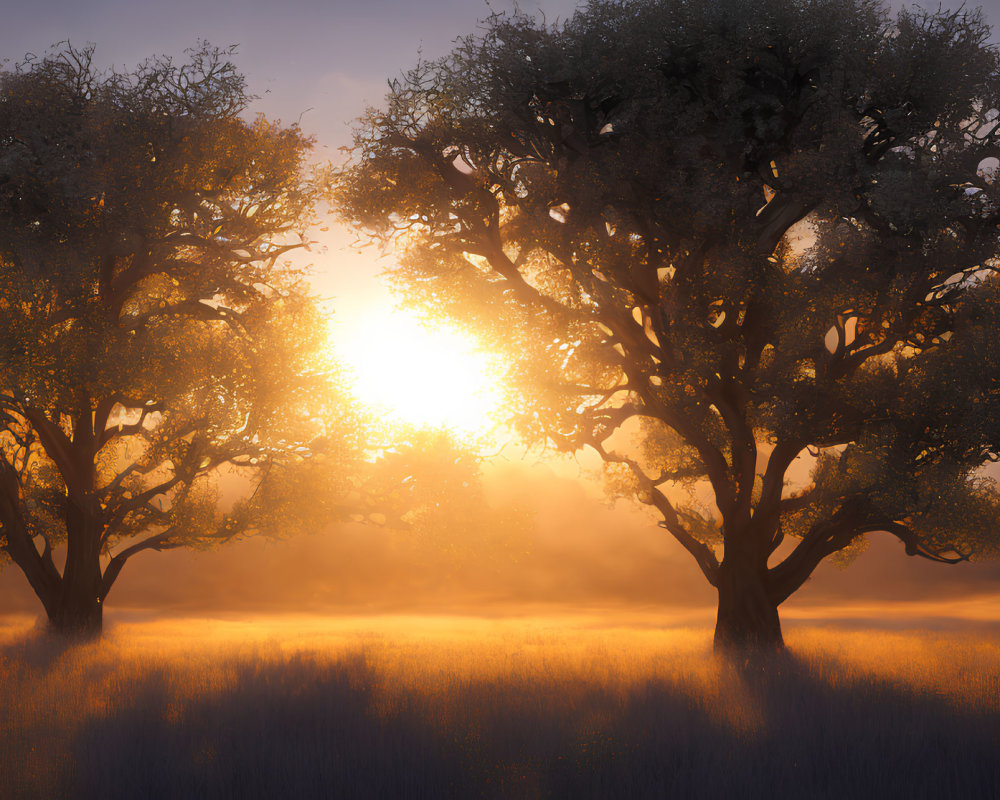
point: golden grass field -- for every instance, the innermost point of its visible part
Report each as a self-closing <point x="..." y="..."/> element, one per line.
<point x="573" y="705"/>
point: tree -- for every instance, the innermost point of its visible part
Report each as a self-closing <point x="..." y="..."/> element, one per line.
<point x="743" y="249"/>
<point x="152" y="331"/>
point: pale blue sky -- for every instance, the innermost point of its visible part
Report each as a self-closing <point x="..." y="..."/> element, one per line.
<point x="329" y="57"/>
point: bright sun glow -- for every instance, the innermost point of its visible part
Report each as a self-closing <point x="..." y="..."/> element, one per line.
<point x="418" y="375"/>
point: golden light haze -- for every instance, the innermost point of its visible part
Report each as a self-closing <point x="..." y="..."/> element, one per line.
<point x="575" y="553"/>
<point x="412" y="373"/>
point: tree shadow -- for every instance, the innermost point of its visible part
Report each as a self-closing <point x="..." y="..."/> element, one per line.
<point x="301" y="729"/>
<point x="791" y="732"/>
<point x="41" y="648"/>
<point x="305" y="726"/>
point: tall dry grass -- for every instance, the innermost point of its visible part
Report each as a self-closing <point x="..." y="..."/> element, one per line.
<point x="567" y="707"/>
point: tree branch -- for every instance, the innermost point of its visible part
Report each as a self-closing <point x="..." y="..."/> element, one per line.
<point x="913" y="545"/>
<point x="57" y="446"/>
<point x="38" y="568"/>
<point x="160" y="541"/>
<point x="821" y="540"/>
<point x="653" y="496"/>
<point x="106" y="433"/>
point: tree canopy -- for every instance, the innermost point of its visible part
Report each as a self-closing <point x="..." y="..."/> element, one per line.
<point x="152" y="331"/>
<point x="745" y="250"/>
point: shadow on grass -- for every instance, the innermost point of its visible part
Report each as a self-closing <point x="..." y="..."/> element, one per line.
<point x="790" y="735"/>
<point x="305" y="729"/>
<point x="119" y="721"/>
<point x="39" y="648"/>
<point x="300" y="729"/>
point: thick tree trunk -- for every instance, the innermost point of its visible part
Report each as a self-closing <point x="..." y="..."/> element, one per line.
<point x="79" y="609"/>
<point x="747" y="620"/>
<point x="78" y="616"/>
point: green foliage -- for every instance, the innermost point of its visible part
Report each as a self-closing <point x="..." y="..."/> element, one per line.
<point x="768" y="228"/>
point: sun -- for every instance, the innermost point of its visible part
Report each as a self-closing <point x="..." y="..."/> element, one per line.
<point x="418" y="375"/>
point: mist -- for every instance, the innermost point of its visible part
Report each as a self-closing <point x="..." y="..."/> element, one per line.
<point x="575" y="552"/>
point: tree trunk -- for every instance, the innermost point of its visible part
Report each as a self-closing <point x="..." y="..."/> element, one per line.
<point x="747" y="620"/>
<point x="79" y="609"/>
<point x="78" y="616"/>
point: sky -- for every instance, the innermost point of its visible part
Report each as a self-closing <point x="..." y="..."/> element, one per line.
<point x="319" y="62"/>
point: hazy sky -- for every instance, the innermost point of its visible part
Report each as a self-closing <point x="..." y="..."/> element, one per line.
<point x="329" y="57"/>
<point x="326" y="56"/>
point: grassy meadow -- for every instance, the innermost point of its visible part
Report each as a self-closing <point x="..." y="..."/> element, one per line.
<point x="570" y="706"/>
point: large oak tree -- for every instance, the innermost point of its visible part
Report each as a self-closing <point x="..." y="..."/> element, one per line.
<point x="742" y="249"/>
<point x="152" y="331"/>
